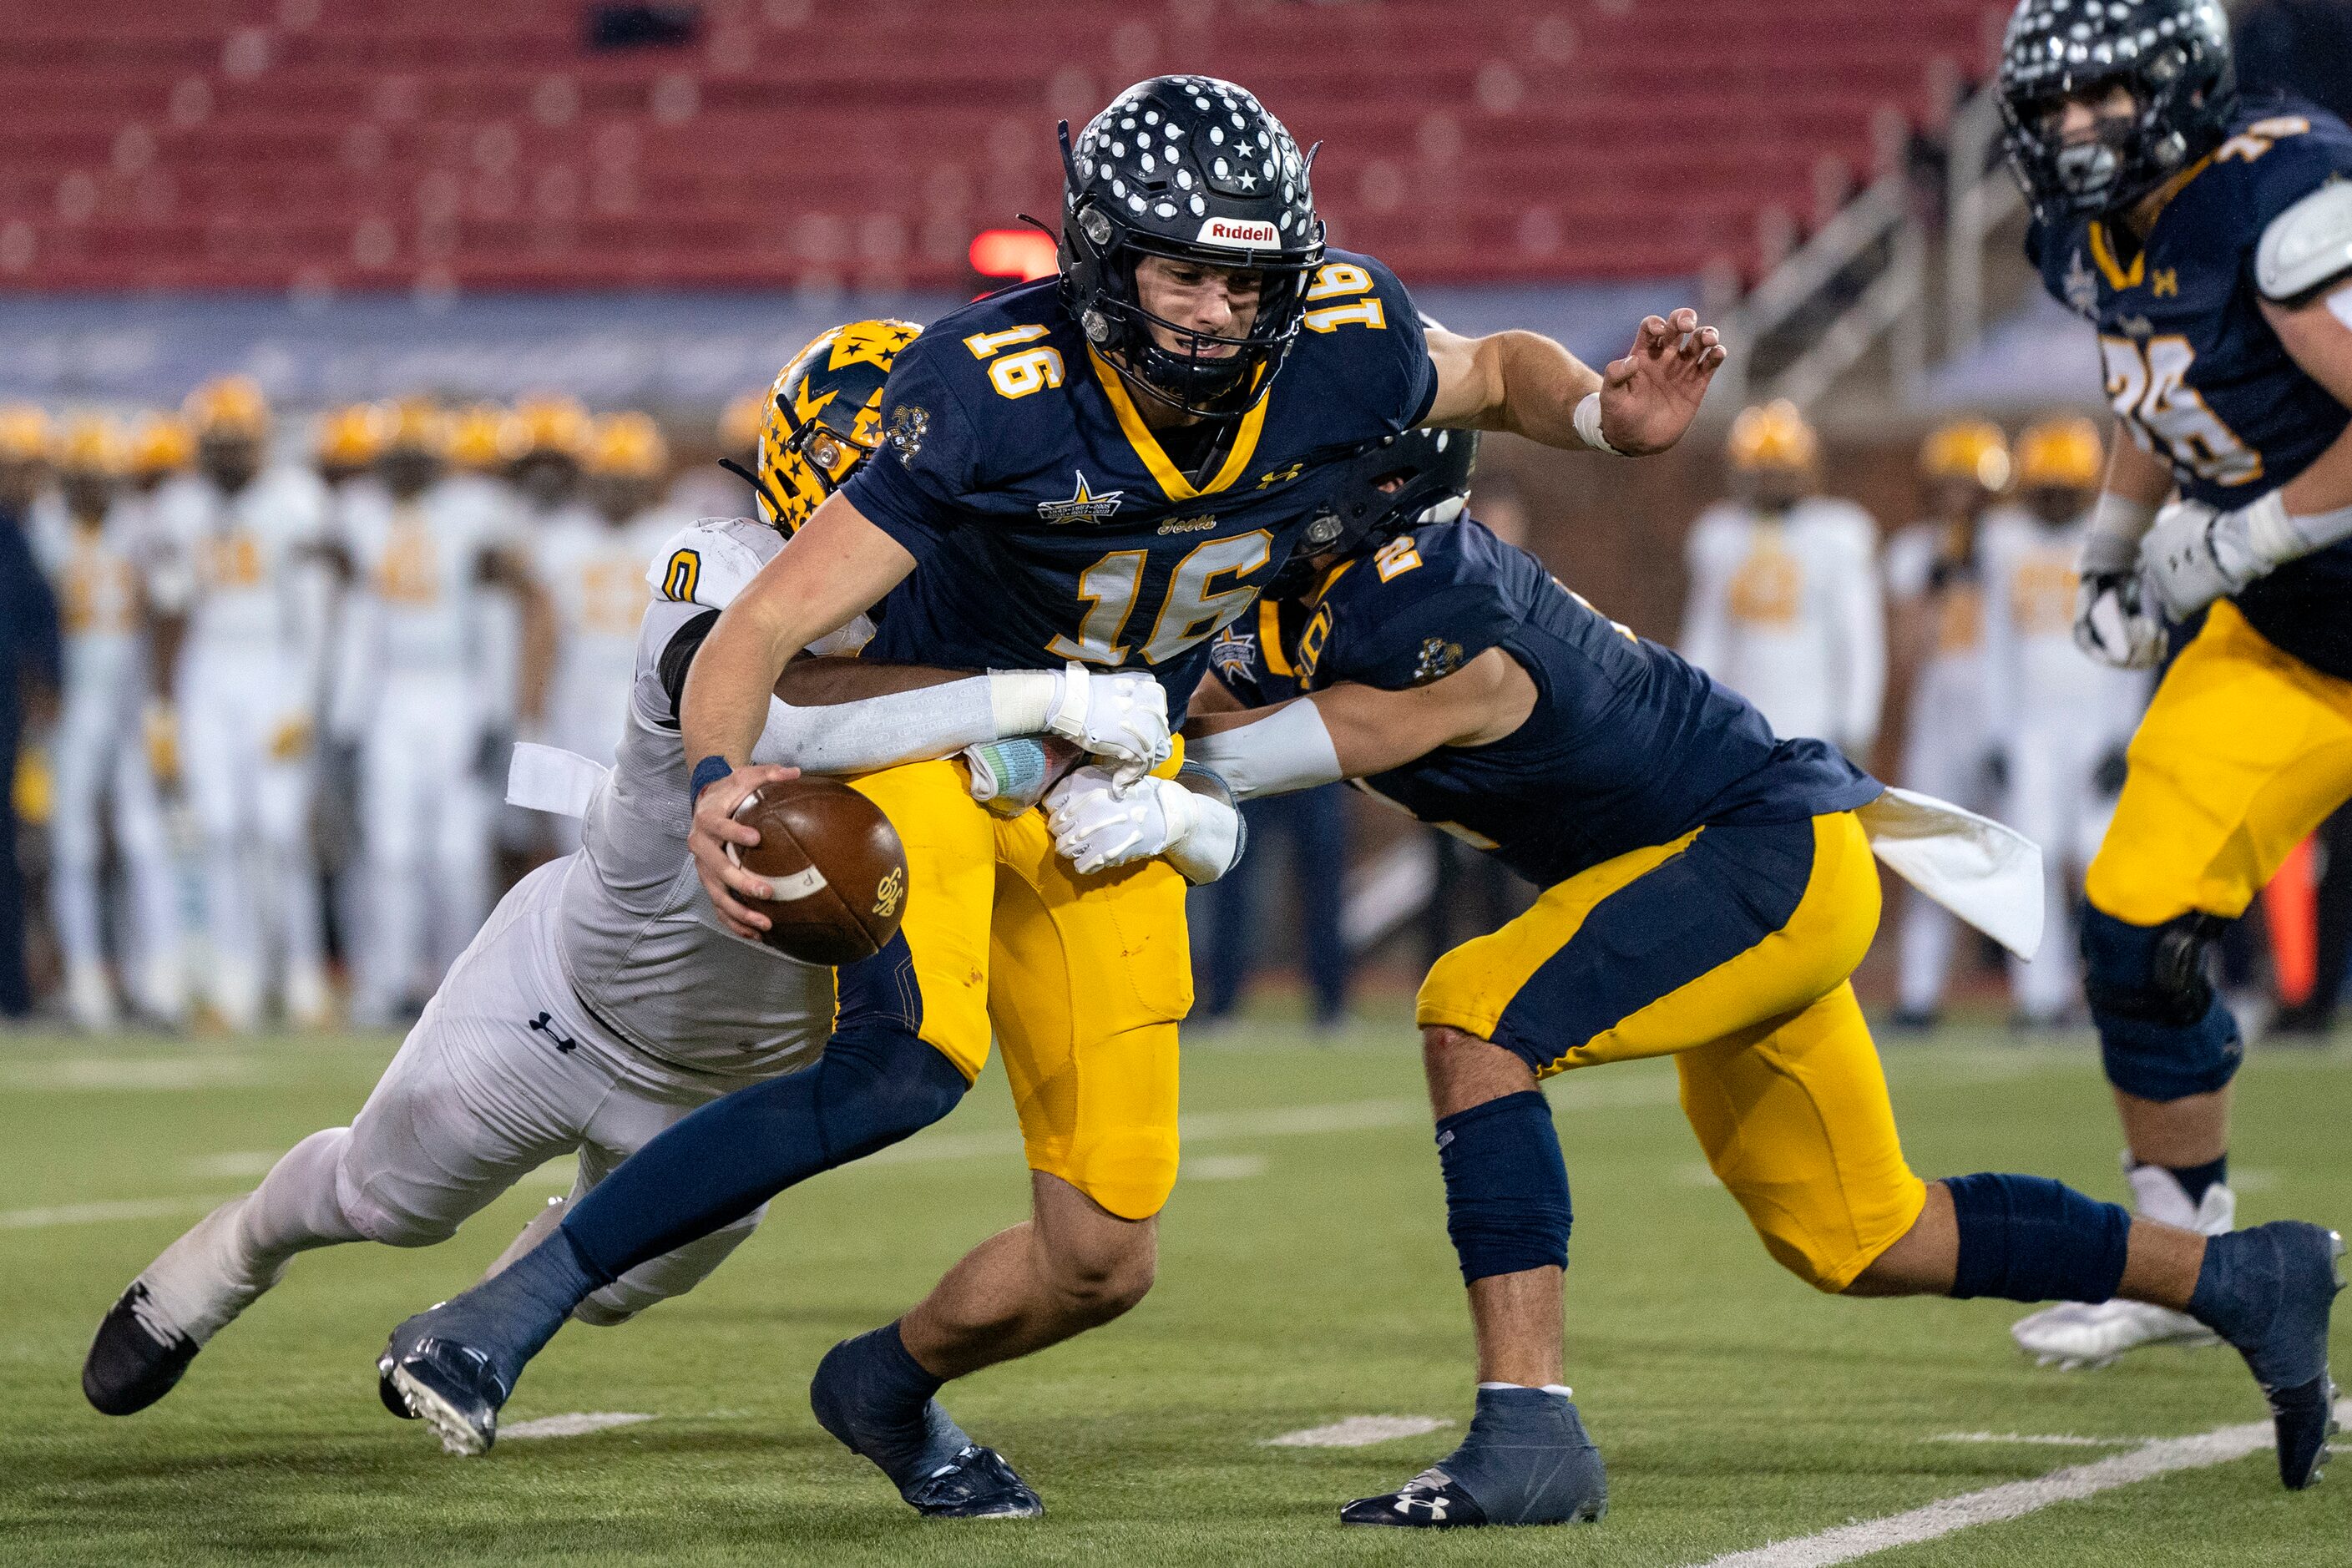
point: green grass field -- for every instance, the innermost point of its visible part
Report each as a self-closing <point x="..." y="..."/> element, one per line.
<point x="1305" y="1277"/>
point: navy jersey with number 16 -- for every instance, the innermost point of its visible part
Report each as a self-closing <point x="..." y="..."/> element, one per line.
<point x="1048" y="521"/>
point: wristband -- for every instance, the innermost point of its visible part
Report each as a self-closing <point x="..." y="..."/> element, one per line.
<point x="1588" y="426"/>
<point x="707" y="771"/>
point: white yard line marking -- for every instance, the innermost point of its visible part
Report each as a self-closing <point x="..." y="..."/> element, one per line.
<point x="1357" y="1432"/>
<point x="2161" y="1456"/>
<point x="1223" y="1167"/>
<point x="101" y="1213"/>
<point x="579" y="1424"/>
<point x="2037" y="1439"/>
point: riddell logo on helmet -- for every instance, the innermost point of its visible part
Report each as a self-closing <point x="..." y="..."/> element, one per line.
<point x="1239" y="233"/>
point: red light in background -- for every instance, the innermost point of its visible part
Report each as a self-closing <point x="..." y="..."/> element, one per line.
<point x="1022" y="253"/>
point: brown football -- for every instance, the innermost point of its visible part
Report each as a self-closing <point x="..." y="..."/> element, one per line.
<point x="836" y="865"/>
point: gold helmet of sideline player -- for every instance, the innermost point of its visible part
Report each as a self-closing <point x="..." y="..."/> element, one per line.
<point x="824" y="417"/>
<point x="2058" y="464"/>
<point x="346" y="440"/>
<point x="475" y="438"/>
<point x="231" y="417"/>
<point x="91" y="455"/>
<point x="1967" y="452"/>
<point x="1773" y="454"/>
<point x="160" y="446"/>
<point x="24" y="448"/>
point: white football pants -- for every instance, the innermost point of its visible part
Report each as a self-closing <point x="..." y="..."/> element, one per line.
<point x="99" y="765"/>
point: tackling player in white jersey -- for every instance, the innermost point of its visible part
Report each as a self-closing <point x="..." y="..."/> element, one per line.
<point x="242" y="593"/>
<point x="603" y="1001"/>
<point x="87" y="534"/>
<point x="428" y="552"/>
<point x="2063" y="717"/>
<point x="1935" y="584"/>
<point x="1784" y="601"/>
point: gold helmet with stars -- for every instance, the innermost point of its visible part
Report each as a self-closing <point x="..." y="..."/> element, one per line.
<point x="825" y="416"/>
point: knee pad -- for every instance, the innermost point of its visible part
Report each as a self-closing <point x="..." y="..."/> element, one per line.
<point x="2027" y="1238"/>
<point x="1507" y="1205"/>
<point x="2163" y="1034"/>
<point x="396" y="1224"/>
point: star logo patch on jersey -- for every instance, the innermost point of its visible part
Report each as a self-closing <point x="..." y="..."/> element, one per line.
<point x="1234" y="653"/>
<point x="1084" y="505"/>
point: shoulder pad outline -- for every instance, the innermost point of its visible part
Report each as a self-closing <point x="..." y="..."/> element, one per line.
<point x="724" y="560"/>
<point x="2307" y="246"/>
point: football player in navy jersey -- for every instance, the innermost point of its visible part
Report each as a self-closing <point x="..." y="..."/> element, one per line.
<point x="1103" y="470"/>
<point x="2209" y="239"/>
<point x="1708" y="890"/>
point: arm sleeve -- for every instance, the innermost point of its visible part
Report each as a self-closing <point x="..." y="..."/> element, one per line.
<point x="914" y="489"/>
<point x="860" y="737"/>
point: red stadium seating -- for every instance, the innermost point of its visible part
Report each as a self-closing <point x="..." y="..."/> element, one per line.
<point x="328" y="144"/>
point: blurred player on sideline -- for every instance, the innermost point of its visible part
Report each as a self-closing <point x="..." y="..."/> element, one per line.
<point x="1935" y="585"/>
<point x="708" y="489"/>
<point x="344" y="443"/>
<point x="427" y="549"/>
<point x="593" y="566"/>
<point x="2061" y="718"/>
<point x="543" y="447"/>
<point x="30" y="668"/>
<point x="1784" y="602"/>
<point x="88" y="533"/>
<point x="242" y="593"/>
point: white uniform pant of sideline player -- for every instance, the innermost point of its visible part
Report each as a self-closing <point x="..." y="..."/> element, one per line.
<point x="101" y="778"/>
<point x="254" y="808"/>
<point x="426" y="820"/>
<point x="504" y="1072"/>
<point x="2054" y="799"/>
<point x="1951" y="767"/>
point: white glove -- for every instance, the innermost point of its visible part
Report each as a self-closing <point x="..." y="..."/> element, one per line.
<point x="2195" y="555"/>
<point x="2110" y="622"/>
<point x="2112" y="626"/>
<point x="1098" y="826"/>
<point x="1120" y="717"/>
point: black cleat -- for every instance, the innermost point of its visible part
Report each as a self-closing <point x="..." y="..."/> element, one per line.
<point x="2269" y="1292"/>
<point x="874" y="1399"/>
<point x="136" y="1359"/>
<point x="976" y="1484"/>
<point x="1431" y="1500"/>
<point x="450" y="1386"/>
<point x="1525" y="1460"/>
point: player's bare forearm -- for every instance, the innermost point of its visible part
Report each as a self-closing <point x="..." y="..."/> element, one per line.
<point x="2135" y="475"/>
<point x="537" y="675"/>
<point x="2320" y="342"/>
<point x="838" y="565"/>
<point x="1519" y="382"/>
<point x="829" y="682"/>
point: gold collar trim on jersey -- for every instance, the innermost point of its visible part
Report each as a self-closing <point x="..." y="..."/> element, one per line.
<point x="2120" y="278"/>
<point x="1315" y="599"/>
<point x="1147" y="446"/>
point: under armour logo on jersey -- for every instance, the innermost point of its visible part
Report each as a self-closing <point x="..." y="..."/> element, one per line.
<point x="545" y="1025"/>
<point x="1084" y="505"/>
<point x="1280" y="476"/>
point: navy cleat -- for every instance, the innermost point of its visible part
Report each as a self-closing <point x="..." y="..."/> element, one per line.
<point x="877" y="1400"/>
<point x="1525" y="1460"/>
<point x="452" y="1387"/>
<point x="136" y="1358"/>
<point x="2269" y="1292"/>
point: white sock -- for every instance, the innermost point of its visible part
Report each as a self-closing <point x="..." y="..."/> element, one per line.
<point x="221" y="1267"/>
<point x="298" y="1207"/>
<point x="1560" y="1388"/>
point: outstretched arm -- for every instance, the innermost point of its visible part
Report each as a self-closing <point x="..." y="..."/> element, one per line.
<point x="1528" y="384"/>
<point x="1352" y="731"/>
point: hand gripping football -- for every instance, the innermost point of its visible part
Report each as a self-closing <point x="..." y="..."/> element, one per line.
<point x="835" y="865"/>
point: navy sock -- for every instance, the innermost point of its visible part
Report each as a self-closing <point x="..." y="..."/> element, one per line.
<point x="2027" y="1238"/>
<point x="511" y="1316"/>
<point x="2196" y="1180"/>
<point x="871" y="1089"/>
<point x="875" y="1396"/>
<point x="1506" y="1205"/>
<point x="1526" y="1457"/>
